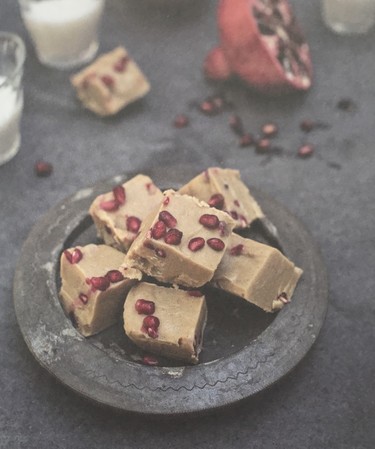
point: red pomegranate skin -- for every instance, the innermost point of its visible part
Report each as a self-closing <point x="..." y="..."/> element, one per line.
<point x="247" y="53"/>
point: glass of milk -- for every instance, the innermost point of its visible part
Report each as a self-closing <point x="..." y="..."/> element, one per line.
<point x="64" y="32"/>
<point x="12" y="58"/>
<point x="349" y="16"/>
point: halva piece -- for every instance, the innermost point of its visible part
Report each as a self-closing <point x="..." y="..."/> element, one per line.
<point x="166" y="321"/>
<point x="258" y="273"/>
<point x="223" y="188"/>
<point x="110" y="83"/>
<point x="94" y="287"/>
<point x="182" y="242"/>
<point x="118" y="214"/>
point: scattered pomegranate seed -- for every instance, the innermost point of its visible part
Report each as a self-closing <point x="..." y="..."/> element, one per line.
<point x="119" y="194"/>
<point x="121" y="64"/>
<point x="247" y="140"/>
<point x="305" y="151"/>
<point x="236" y="250"/>
<point x="217" y="201"/>
<point x="152" y="332"/>
<point x="158" y="230"/>
<point x="150" y="360"/>
<point x="173" y="237"/>
<point x="307" y="125"/>
<point x="209" y="221"/>
<point x="218" y="102"/>
<point x="284" y="298"/>
<point x="166" y="201"/>
<point x="109" y="206"/>
<point x="236" y="124"/>
<point x="181" y="121"/>
<point x="208" y="107"/>
<point x="195" y="293"/>
<point x="346" y="104"/>
<point x="223" y="228"/>
<point x="114" y="276"/>
<point x="233" y="214"/>
<point x="108" y="81"/>
<point x="84" y="298"/>
<point x="161" y="253"/>
<point x="133" y="224"/>
<point x="263" y="146"/>
<point x="100" y="283"/>
<point x="167" y="218"/>
<point x="270" y="130"/>
<point x="43" y="168"/>
<point x="144" y="307"/>
<point x="216" y="244"/>
<point x="196" y="243"/>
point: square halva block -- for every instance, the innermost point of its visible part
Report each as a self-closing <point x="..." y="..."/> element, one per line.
<point x="118" y="215"/>
<point x="94" y="286"/>
<point x="166" y="321"/>
<point x="258" y="273"/>
<point x="182" y="242"/>
<point x="223" y="188"/>
<point x="110" y="83"/>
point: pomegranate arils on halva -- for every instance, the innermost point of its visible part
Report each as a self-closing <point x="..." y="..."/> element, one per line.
<point x="150" y="326"/>
<point x="236" y="250"/>
<point x="173" y="237"/>
<point x="119" y="194"/>
<point x="110" y="205"/>
<point x="114" y="276"/>
<point x="99" y="283"/>
<point x="133" y="224"/>
<point x="209" y="221"/>
<point x="216" y="244"/>
<point x="217" y="201"/>
<point x="83" y="298"/>
<point x="144" y="307"/>
<point x="73" y="257"/>
<point x="196" y="243"/>
<point x="167" y="218"/>
<point x="159" y="230"/>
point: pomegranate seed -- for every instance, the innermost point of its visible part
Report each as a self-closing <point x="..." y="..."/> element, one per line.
<point x="68" y="256"/>
<point x="236" y="203"/>
<point x="161" y="253"/>
<point x="152" y="333"/>
<point x="119" y="194"/>
<point x="305" y="151"/>
<point x="167" y="218"/>
<point x="236" y="124"/>
<point x="236" y="250"/>
<point x="218" y="102"/>
<point x="109" y="206"/>
<point x="151" y="321"/>
<point x="148" y="245"/>
<point x="133" y="224"/>
<point x="263" y="146"/>
<point x="346" y="104"/>
<point x="144" y="307"/>
<point x="307" y="125"/>
<point x="216" y="244"/>
<point x="247" y="140"/>
<point x="181" y="121"/>
<point x="195" y="293"/>
<point x="166" y="201"/>
<point x="217" y="201"/>
<point x="209" y="221"/>
<point x="223" y="228"/>
<point x="84" y="298"/>
<point x="158" y="230"/>
<point x="114" y="276"/>
<point x="173" y="237"/>
<point x="208" y="107"/>
<point x="270" y="130"/>
<point x="284" y="298"/>
<point x="196" y="244"/>
<point x="150" y="360"/>
<point x="108" y="81"/>
<point x="43" y="168"/>
<point x="100" y="283"/>
<point x="76" y="255"/>
<point x="121" y="64"/>
<point x="233" y="214"/>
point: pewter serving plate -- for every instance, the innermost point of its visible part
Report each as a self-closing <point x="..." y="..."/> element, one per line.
<point x="245" y="349"/>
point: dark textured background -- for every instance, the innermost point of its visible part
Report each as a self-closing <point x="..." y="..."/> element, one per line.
<point x="329" y="400"/>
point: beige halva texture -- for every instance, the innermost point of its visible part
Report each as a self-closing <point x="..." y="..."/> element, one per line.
<point x="110" y="83"/>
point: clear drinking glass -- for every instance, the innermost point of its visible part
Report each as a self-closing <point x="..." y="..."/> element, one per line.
<point x="12" y="58"/>
<point x="349" y="16"/>
<point x="64" y="32"/>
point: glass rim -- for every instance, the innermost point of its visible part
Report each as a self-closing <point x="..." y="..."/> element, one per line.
<point x="22" y="52"/>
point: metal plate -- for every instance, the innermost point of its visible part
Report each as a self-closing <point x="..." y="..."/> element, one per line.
<point x="245" y="350"/>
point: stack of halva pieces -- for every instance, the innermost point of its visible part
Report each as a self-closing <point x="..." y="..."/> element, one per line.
<point x="183" y="240"/>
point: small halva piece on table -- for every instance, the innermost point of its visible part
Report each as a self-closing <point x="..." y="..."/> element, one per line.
<point x="166" y="321"/>
<point x="118" y="215"/>
<point x="223" y="188"/>
<point x="258" y="273"/>
<point x="94" y="286"/>
<point x="110" y="83"/>
<point x="182" y="242"/>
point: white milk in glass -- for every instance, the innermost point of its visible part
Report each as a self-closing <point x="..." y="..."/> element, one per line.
<point x="10" y="115"/>
<point x="349" y="16"/>
<point x="64" y="32"/>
